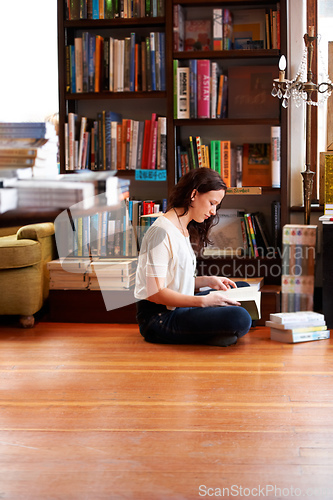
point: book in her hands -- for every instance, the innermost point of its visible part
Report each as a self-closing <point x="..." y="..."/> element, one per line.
<point x="249" y="298"/>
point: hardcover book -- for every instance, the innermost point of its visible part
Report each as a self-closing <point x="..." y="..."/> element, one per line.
<point x="292" y="338"/>
<point x="203" y="84"/>
<point x="257" y="165"/>
<point x="217" y="29"/>
<point x="248" y="26"/>
<point x="227" y="234"/>
<point x="248" y="297"/>
<point x="250" y="92"/>
<point x="197" y="34"/>
<point x="183" y="92"/>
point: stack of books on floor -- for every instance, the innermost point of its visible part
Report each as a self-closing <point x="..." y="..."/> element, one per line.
<point x="86" y="274"/>
<point x="301" y="326"/>
<point x="68" y="274"/>
<point x="112" y="274"/>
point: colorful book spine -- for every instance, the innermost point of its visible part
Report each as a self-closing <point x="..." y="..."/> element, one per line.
<point x="193" y="65"/>
<point x="226" y="162"/>
<point x="183" y="93"/>
<point x="276" y="156"/>
<point x="217" y="29"/>
<point x="203" y="83"/>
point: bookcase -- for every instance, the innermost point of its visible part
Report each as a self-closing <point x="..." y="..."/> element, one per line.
<point x="237" y="127"/>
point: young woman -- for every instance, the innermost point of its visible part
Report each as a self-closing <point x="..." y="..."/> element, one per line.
<point x="168" y="310"/>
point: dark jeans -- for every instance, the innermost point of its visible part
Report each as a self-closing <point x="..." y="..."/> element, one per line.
<point x="220" y="326"/>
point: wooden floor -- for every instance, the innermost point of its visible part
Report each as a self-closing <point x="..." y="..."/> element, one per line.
<point x="94" y="412"/>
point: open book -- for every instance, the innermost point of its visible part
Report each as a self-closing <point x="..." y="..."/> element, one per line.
<point x="249" y="298"/>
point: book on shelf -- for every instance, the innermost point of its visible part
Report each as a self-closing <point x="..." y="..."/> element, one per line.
<point x="276" y="156"/>
<point x="276" y="224"/>
<point x="197" y="34"/>
<point x="112" y="142"/>
<point x="178" y="28"/>
<point x="326" y="178"/>
<point x="203" y="88"/>
<point x="68" y="274"/>
<point x="97" y="64"/>
<point x="227" y="233"/>
<point x="218" y="29"/>
<point x="183" y="92"/>
<point x="256" y="165"/>
<point x="249" y="25"/>
<point x="193" y="88"/>
<point x="106" y="9"/>
<point x="246" y="100"/>
<point x="227" y="29"/>
<point x="111" y="274"/>
<point x="207" y="89"/>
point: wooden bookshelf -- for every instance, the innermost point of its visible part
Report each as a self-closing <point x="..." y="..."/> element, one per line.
<point x="141" y="103"/>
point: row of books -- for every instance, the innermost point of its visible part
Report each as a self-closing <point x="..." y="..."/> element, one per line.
<point x="227" y="29"/>
<point x="242" y="233"/>
<point x="95" y="63"/>
<point x="108" y="233"/>
<point x="96" y="274"/>
<point x="112" y="142"/>
<point x="113" y="9"/>
<point x="301" y="326"/>
<point x="200" y="90"/>
<point x="241" y="165"/>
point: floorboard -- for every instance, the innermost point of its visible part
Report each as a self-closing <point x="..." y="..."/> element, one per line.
<point x="92" y="411"/>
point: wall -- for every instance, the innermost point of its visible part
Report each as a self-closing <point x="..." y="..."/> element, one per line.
<point x="28" y="60"/>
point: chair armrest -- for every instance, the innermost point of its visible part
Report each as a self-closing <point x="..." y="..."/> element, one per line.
<point x="36" y="231"/>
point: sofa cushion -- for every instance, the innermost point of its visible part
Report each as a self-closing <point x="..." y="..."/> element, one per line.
<point x="16" y="253"/>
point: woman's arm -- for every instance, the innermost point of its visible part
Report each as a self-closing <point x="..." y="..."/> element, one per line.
<point x="215" y="282"/>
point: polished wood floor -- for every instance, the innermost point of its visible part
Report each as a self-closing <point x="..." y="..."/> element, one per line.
<point x="93" y="412"/>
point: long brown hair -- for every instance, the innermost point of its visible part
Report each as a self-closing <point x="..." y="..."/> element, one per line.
<point x="203" y="180"/>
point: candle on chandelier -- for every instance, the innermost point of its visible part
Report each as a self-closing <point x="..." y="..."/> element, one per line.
<point x="282" y="67"/>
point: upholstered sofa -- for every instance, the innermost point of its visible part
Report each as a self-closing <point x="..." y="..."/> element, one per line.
<point x="24" y="279"/>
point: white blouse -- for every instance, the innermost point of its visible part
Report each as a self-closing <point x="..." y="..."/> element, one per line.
<point x="165" y="253"/>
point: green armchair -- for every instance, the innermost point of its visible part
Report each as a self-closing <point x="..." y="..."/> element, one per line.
<point x="24" y="278"/>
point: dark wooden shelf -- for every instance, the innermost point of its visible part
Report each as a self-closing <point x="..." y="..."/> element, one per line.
<point x="226" y="121"/>
<point x="315" y="208"/>
<point x="115" y="23"/>
<point x="105" y="95"/>
<point x="227" y="54"/>
<point x="197" y="3"/>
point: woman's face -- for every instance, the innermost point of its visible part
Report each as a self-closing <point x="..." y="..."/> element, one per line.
<point x="204" y="205"/>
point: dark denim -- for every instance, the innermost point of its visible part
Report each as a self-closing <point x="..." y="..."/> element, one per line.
<point x="220" y="326"/>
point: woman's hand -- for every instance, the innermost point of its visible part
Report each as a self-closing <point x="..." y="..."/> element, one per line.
<point x="218" y="282"/>
<point x="214" y="299"/>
